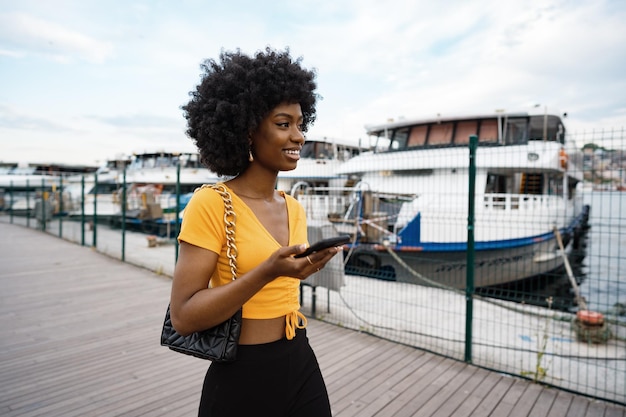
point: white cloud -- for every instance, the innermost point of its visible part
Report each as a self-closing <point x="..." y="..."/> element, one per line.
<point x="26" y="32"/>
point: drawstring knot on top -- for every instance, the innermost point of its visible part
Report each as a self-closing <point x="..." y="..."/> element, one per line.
<point x="293" y="323"/>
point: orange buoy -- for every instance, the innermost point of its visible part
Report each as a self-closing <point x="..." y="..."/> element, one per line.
<point x="563" y="158"/>
<point x="590" y="327"/>
<point x="590" y="317"/>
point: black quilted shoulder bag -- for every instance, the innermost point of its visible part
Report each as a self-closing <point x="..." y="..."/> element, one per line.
<point x="219" y="343"/>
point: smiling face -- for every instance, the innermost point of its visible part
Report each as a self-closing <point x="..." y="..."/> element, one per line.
<point x="277" y="142"/>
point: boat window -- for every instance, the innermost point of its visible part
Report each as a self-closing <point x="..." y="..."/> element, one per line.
<point x="163" y="161"/>
<point x="418" y="136"/>
<point x="554" y="129"/>
<point x="414" y="172"/>
<point x="399" y="138"/>
<point x="345" y="152"/>
<point x="381" y="140"/>
<point x="440" y="134"/>
<point x="104" y="188"/>
<point x="516" y="132"/>
<point x="498" y="184"/>
<point x="324" y="151"/>
<point x="23" y="170"/>
<point x="148" y="162"/>
<point x="464" y="130"/>
<point x="488" y="131"/>
<point x="194" y="161"/>
<point x="308" y="150"/>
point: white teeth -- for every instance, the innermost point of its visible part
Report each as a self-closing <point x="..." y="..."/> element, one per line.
<point x="292" y="152"/>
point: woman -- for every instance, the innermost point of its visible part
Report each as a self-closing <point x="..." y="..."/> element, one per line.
<point x="247" y="117"/>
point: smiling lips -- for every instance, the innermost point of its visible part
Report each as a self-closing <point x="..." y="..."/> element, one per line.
<point x="293" y="153"/>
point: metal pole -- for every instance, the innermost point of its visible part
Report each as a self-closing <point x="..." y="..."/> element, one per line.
<point x="123" y="204"/>
<point x="82" y="210"/>
<point x="11" y="200"/>
<point x="43" y="204"/>
<point x="94" y="229"/>
<point x="60" y="205"/>
<point x="27" y="203"/>
<point x="469" y="284"/>
<point x="177" y="212"/>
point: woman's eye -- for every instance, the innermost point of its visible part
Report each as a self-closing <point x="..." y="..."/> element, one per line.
<point x="285" y="124"/>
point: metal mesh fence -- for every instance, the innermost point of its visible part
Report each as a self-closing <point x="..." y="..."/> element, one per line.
<point x="406" y="274"/>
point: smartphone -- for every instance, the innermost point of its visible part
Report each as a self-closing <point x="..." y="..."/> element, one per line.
<point x="323" y="244"/>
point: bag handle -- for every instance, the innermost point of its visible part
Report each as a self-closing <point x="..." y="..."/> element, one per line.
<point x="230" y="218"/>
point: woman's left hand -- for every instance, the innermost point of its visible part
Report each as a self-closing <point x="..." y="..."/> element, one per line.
<point x="302" y="268"/>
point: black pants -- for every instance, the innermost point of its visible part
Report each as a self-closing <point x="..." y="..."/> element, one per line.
<point x="278" y="379"/>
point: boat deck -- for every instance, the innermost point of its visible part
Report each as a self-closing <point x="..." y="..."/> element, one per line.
<point x="83" y="340"/>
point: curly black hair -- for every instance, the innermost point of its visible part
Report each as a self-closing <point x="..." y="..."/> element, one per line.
<point x="234" y="96"/>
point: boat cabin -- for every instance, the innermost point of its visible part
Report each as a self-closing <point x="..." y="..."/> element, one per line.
<point x="498" y="129"/>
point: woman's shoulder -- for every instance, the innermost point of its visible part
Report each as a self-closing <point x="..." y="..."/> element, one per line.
<point x="205" y="197"/>
<point x="206" y="191"/>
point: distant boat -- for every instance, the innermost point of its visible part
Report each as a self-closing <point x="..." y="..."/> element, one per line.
<point x="152" y="176"/>
<point x="409" y="213"/>
<point x="317" y="176"/>
<point x="319" y="162"/>
<point x="102" y="187"/>
<point x="19" y="185"/>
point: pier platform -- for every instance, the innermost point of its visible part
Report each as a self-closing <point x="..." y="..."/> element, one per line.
<point x="82" y="339"/>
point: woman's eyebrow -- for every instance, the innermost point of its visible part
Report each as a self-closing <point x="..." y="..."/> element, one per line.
<point x="288" y="115"/>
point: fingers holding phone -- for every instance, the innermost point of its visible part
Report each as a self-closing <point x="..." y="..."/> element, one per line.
<point x="317" y="256"/>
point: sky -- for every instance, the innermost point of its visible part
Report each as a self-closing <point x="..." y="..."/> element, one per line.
<point x="83" y="81"/>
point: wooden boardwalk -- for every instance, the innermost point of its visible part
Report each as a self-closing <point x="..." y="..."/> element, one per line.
<point x="82" y="339"/>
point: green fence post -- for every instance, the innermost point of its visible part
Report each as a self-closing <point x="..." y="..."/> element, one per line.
<point x="94" y="229"/>
<point x="43" y="204"/>
<point x="469" y="284"/>
<point x="11" y="200"/>
<point x="60" y="214"/>
<point x="123" y="207"/>
<point x="82" y="210"/>
<point x="27" y="203"/>
<point x="177" y="213"/>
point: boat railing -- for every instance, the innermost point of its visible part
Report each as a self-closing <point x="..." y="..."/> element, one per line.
<point x="322" y="202"/>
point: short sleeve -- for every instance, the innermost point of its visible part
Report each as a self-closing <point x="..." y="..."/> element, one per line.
<point x="203" y="220"/>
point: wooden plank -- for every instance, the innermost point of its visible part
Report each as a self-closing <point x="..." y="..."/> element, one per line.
<point x="578" y="407"/>
<point x="83" y="339"/>
<point x="561" y="405"/>
<point x="493" y="398"/>
<point x="414" y="384"/>
<point x="543" y="403"/>
<point x="528" y="401"/>
<point x="453" y="402"/>
<point x="369" y="382"/>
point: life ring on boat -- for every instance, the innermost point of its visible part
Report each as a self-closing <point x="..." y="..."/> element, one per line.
<point x="563" y="158"/>
<point x="590" y="317"/>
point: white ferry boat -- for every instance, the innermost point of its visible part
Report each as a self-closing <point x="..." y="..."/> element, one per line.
<point x="409" y="213"/>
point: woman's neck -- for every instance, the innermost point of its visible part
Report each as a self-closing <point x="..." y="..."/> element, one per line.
<point x="256" y="189"/>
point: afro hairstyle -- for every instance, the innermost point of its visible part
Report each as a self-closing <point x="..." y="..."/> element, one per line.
<point x="235" y="94"/>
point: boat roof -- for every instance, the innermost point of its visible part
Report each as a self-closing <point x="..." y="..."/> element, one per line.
<point x="392" y="124"/>
<point x="335" y="141"/>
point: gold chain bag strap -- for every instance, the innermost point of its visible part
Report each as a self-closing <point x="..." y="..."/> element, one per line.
<point x="219" y="343"/>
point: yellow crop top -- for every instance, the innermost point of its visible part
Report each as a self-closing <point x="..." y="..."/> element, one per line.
<point x="203" y="226"/>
